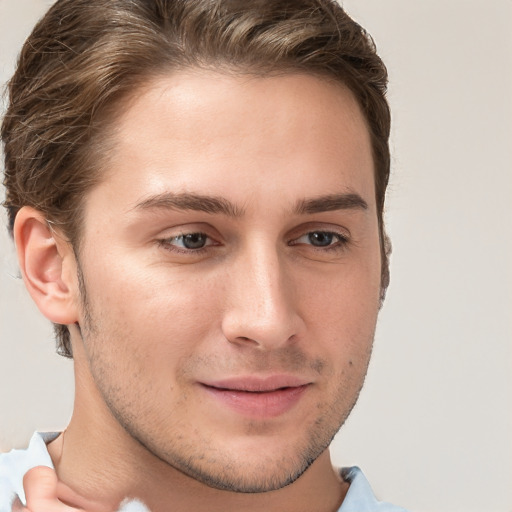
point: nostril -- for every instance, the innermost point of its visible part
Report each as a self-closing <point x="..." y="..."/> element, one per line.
<point x="245" y="340"/>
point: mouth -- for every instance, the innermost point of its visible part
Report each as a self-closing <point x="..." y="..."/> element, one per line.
<point x="256" y="397"/>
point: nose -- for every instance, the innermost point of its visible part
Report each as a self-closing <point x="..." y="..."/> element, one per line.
<point x="262" y="300"/>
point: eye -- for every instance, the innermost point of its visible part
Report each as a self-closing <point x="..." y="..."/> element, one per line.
<point x="188" y="241"/>
<point x="322" y="239"/>
<point x="192" y="240"/>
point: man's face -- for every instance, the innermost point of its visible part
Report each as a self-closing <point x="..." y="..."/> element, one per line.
<point x="231" y="270"/>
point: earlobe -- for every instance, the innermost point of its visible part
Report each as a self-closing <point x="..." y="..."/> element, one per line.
<point x="47" y="265"/>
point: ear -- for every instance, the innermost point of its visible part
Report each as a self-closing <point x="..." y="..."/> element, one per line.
<point x="48" y="266"/>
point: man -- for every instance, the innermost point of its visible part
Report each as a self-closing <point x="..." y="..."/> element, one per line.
<point x="195" y="189"/>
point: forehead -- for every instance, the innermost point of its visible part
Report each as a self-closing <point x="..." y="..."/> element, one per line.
<point x="210" y="132"/>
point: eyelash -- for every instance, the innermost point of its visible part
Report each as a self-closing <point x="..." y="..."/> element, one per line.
<point x="340" y="244"/>
<point x="167" y="244"/>
<point x="342" y="241"/>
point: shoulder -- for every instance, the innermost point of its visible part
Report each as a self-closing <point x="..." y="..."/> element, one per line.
<point x="14" y="465"/>
<point x="360" y="497"/>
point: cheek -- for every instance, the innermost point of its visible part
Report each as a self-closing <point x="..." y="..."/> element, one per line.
<point x="154" y="311"/>
<point x="342" y="311"/>
<point x="348" y="294"/>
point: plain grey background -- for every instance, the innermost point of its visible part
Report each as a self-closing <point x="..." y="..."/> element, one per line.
<point x="432" y="429"/>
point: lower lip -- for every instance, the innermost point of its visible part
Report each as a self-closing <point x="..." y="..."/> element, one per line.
<point x="258" y="405"/>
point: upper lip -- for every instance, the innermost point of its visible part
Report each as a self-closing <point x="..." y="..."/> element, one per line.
<point x="255" y="383"/>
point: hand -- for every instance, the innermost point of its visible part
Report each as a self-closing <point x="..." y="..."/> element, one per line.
<point x="44" y="493"/>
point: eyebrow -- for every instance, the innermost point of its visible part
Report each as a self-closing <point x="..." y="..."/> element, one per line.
<point x="220" y="205"/>
<point x="331" y="203"/>
<point x="186" y="201"/>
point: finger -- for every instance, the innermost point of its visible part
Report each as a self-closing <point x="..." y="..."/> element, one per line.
<point x="40" y="484"/>
<point x="42" y="492"/>
<point x="72" y="499"/>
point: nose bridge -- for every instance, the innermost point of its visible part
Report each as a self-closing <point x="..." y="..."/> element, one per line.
<point x="267" y="280"/>
<point x="261" y="297"/>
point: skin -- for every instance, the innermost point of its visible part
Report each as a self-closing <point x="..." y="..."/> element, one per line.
<point x="44" y="492"/>
<point x="269" y="289"/>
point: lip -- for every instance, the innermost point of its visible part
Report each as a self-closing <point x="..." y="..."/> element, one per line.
<point x="258" y="397"/>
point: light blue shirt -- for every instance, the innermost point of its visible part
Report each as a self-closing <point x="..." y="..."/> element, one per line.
<point x="16" y="463"/>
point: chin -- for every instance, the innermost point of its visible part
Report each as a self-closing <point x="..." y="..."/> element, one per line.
<point x="249" y="477"/>
<point x="249" y="465"/>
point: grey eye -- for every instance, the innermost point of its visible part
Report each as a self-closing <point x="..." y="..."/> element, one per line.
<point x="193" y="240"/>
<point x="320" y="238"/>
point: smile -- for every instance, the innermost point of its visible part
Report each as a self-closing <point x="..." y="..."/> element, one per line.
<point x="258" y="398"/>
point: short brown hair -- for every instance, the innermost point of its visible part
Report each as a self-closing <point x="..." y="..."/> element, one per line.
<point x="84" y="56"/>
